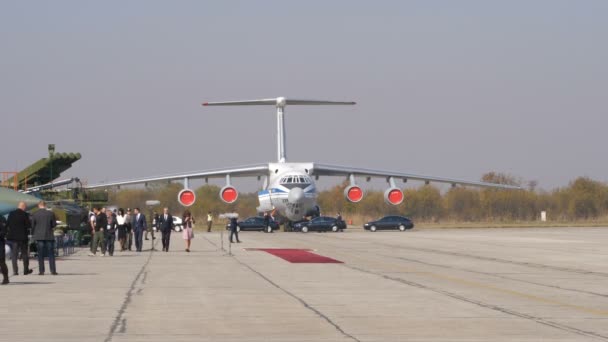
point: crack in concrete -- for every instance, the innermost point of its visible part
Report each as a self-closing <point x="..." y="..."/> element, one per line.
<point x="120" y="323"/>
<point x="484" y="305"/>
<point x="302" y="301"/>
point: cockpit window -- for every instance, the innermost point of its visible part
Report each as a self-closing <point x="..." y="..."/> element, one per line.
<point x="296" y="179"/>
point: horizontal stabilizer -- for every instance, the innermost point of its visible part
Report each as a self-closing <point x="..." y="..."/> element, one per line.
<point x="279" y="101"/>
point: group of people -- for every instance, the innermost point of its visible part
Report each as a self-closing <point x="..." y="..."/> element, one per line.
<point x="129" y="228"/>
<point x="15" y="231"/>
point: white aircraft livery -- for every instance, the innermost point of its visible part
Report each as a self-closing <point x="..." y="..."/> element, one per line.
<point x="289" y="188"/>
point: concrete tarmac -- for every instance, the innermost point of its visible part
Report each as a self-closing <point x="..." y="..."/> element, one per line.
<point x="420" y="285"/>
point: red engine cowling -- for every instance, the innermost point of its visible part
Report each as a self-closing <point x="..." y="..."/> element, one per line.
<point x="393" y="196"/>
<point x="228" y="194"/>
<point x="353" y="194"/>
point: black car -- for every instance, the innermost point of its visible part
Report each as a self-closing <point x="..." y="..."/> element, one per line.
<point x="255" y="223"/>
<point x="321" y="224"/>
<point x="390" y="222"/>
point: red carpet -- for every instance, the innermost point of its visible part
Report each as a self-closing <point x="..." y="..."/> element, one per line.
<point x="298" y="256"/>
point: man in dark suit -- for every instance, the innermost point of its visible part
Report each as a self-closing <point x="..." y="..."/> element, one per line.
<point x="233" y="230"/>
<point x="3" y="267"/>
<point x="43" y="222"/>
<point x="139" y="226"/>
<point x="18" y="229"/>
<point x="165" y="224"/>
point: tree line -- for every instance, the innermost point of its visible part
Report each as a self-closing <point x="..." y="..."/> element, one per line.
<point x="581" y="199"/>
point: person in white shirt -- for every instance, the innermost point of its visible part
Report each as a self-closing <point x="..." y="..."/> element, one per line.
<point x="121" y="221"/>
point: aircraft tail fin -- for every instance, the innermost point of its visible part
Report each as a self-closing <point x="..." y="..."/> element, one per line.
<point x="280" y="103"/>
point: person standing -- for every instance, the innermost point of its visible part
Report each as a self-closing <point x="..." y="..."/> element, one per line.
<point x="109" y="234"/>
<point x="233" y="230"/>
<point x="3" y="267"/>
<point x="129" y="228"/>
<point x="187" y="233"/>
<point x="43" y="222"/>
<point x="121" y="225"/>
<point x="267" y="222"/>
<point x="18" y="229"/>
<point x="154" y="226"/>
<point x="209" y="221"/>
<point x="92" y="218"/>
<point x="166" y="225"/>
<point x="101" y="223"/>
<point x="139" y="226"/>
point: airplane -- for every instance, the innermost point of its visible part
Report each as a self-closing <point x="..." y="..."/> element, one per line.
<point x="9" y="200"/>
<point x="289" y="188"/>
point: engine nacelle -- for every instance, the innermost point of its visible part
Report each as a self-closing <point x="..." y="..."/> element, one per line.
<point x="228" y="194"/>
<point x="353" y="194"/>
<point x="393" y="196"/>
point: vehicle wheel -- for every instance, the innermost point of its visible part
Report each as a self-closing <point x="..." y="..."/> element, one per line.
<point x="304" y="229"/>
<point x="334" y="229"/>
<point x="238" y="228"/>
<point x="269" y="229"/>
<point x="372" y="228"/>
<point x="402" y="228"/>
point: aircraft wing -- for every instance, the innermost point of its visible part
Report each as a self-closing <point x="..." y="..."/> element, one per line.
<point x="334" y="170"/>
<point x="241" y="171"/>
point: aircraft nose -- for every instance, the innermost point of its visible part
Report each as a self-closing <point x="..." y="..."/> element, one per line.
<point x="295" y="195"/>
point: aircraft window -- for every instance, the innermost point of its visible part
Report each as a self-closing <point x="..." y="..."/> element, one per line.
<point x="289" y="179"/>
<point x="301" y="179"/>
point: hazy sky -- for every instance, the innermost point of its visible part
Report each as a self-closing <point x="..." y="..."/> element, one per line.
<point x="446" y="88"/>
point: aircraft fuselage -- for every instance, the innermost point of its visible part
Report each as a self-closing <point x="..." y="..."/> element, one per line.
<point x="290" y="190"/>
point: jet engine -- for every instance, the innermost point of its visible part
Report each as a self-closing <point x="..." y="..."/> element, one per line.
<point x="393" y="196"/>
<point x="229" y="194"/>
<point x="353" y="193"/>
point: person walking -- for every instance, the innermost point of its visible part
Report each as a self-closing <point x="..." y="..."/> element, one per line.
<point x="18" y="230"/>
<point x="109" y="234"/>
<point x="139" y="226"/>
<point x="129" y="229"/>
<point x="209" y="221"/>
<point x="101" y="223"/>
<point x="234" y="231"/>
<point x="43" y="222"/>
<point x="187" y="233"/>
<point x="166" y="225"/>
<point x="3" y="267"/>
<point x="121" y="225"/>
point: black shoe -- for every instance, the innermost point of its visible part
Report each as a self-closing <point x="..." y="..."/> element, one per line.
<point x="55" y="273"/>
<point x="40" y="273"/>
<point x="15" y="273"/>
<point x="30" y="271"/>
<point x="147" y="239"/>
<point x="5" y="281"/>
<point x="239" y="241"/>
<point x="153" y="238"/>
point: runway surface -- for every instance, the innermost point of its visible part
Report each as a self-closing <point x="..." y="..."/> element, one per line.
<point x="421" y="285"/>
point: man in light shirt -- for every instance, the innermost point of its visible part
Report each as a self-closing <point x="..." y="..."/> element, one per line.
<point x="209" y="221"/>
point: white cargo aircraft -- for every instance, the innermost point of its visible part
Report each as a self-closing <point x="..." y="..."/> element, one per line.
<point x="289" y="188"/>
